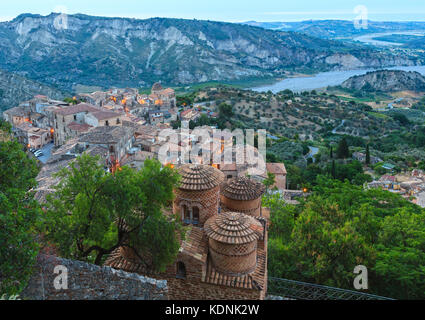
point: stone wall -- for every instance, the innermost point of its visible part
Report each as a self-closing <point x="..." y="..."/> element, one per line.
<point x="90" y="282"/>
<point x="196" y="290"/>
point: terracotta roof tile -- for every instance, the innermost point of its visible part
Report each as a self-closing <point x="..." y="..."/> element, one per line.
<point x="199" y="177"/>
<point x="233" y="228"/>
<point x="276" y="168"/>
<point x="242" y="188"/>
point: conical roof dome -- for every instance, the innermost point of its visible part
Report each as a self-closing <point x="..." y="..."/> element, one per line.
<point x="157" y="86"/>
<point x="199" y="177"/>
<point x="233" y="228"/>
<point x="242" y="188"/>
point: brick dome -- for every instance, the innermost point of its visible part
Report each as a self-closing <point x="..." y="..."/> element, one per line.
<point x="232" y="239"/>
<point x="233" y="228"/>
<point x="157" y="87"/>
<point x="242" y="188"/>
<point x="199" y="177"/>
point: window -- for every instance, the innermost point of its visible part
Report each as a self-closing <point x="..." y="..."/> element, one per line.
<point x="111" y="149"/>
<point x="75" y="117"/>
<point x="186" y="214"/>
<point x="181" y="270"/>
<point x="195" y="215"/>
<point x="190" y="215"/>
<point x="107" y="123"/>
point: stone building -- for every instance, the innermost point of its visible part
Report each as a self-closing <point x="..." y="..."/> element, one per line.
<point x="16" y="115"/>
<point x="163" y="97"/>
<point x="224" y="254"/>
<point x="116" y="140"/>
<point x="82" y="113"/>
<point x="31" y="136"/>
<point x="65" y="116"/>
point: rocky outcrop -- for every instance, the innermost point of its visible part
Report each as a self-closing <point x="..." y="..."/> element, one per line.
<point x="77" y="49"/>
<point x="386" y="81"/>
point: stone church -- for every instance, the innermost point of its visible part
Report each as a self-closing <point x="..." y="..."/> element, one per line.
<point x="224" y="254"/>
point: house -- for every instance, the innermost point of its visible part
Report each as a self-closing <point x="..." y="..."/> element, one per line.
<point x="359" y="156"/>
<point x="82" y="113"/>
<point x="163" y="97"/>
<point x="67" y="115"/>
<point x="156" y="116"/>
<point x="104" y="118"/>
<point x="279" y="171"/>
<point x="189" y="115"/>
<point x="362" y="158"/>
<point x="31" y="136"/>
<point x="117" y="140"/>
<point x="16" y="115"/>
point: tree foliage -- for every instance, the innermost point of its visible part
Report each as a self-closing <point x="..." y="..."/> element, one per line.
<point x="342" y="225"/>
<point x="19" y="214"/>
<point x="94" y="212"/>
<point x="342" y="151"/>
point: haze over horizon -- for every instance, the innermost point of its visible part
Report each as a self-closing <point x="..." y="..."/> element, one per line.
<point x="221" y="10"/>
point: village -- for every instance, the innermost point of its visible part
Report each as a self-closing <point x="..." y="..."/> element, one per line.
<point x="215" y="198"/>
<point x="123" y="128"/>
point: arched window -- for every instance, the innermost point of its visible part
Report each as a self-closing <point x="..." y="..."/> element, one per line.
<point x="181" y="270"/>
<point x="195" y="215"/>
<point x="186" y="214"/>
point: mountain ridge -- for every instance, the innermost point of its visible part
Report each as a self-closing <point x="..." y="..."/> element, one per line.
<point x="108" y="51"/>
<point x="15" y="89"/>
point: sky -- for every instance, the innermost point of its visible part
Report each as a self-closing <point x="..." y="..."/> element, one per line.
<point x="224" y="10"/>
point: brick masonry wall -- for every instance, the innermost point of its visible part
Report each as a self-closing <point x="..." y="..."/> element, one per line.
<point x="90" y="282"/>
<point x="207" y="202"/>
<point x="233" y="259"/>
<point x="251" y="208"/>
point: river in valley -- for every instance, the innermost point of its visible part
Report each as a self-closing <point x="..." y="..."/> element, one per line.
<point x="324" y="79"/>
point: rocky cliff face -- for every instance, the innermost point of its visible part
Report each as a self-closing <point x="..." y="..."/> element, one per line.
<point x="79" y="49"/>
<point x="15" y="89"/>
<point x="386" y="81"/>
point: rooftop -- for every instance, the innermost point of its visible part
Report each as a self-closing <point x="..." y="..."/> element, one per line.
<point x="242" y="188"/>
<point x="233" y="228"/>
<point x="80" y="127"/>
<point x="157" y="86"/>
<point x="199" y="177"/>
<point x="106" y="134"/>
<point x="82" y="107"/>
<point x="104" y="115"/>
<point x="276" y="168"/>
